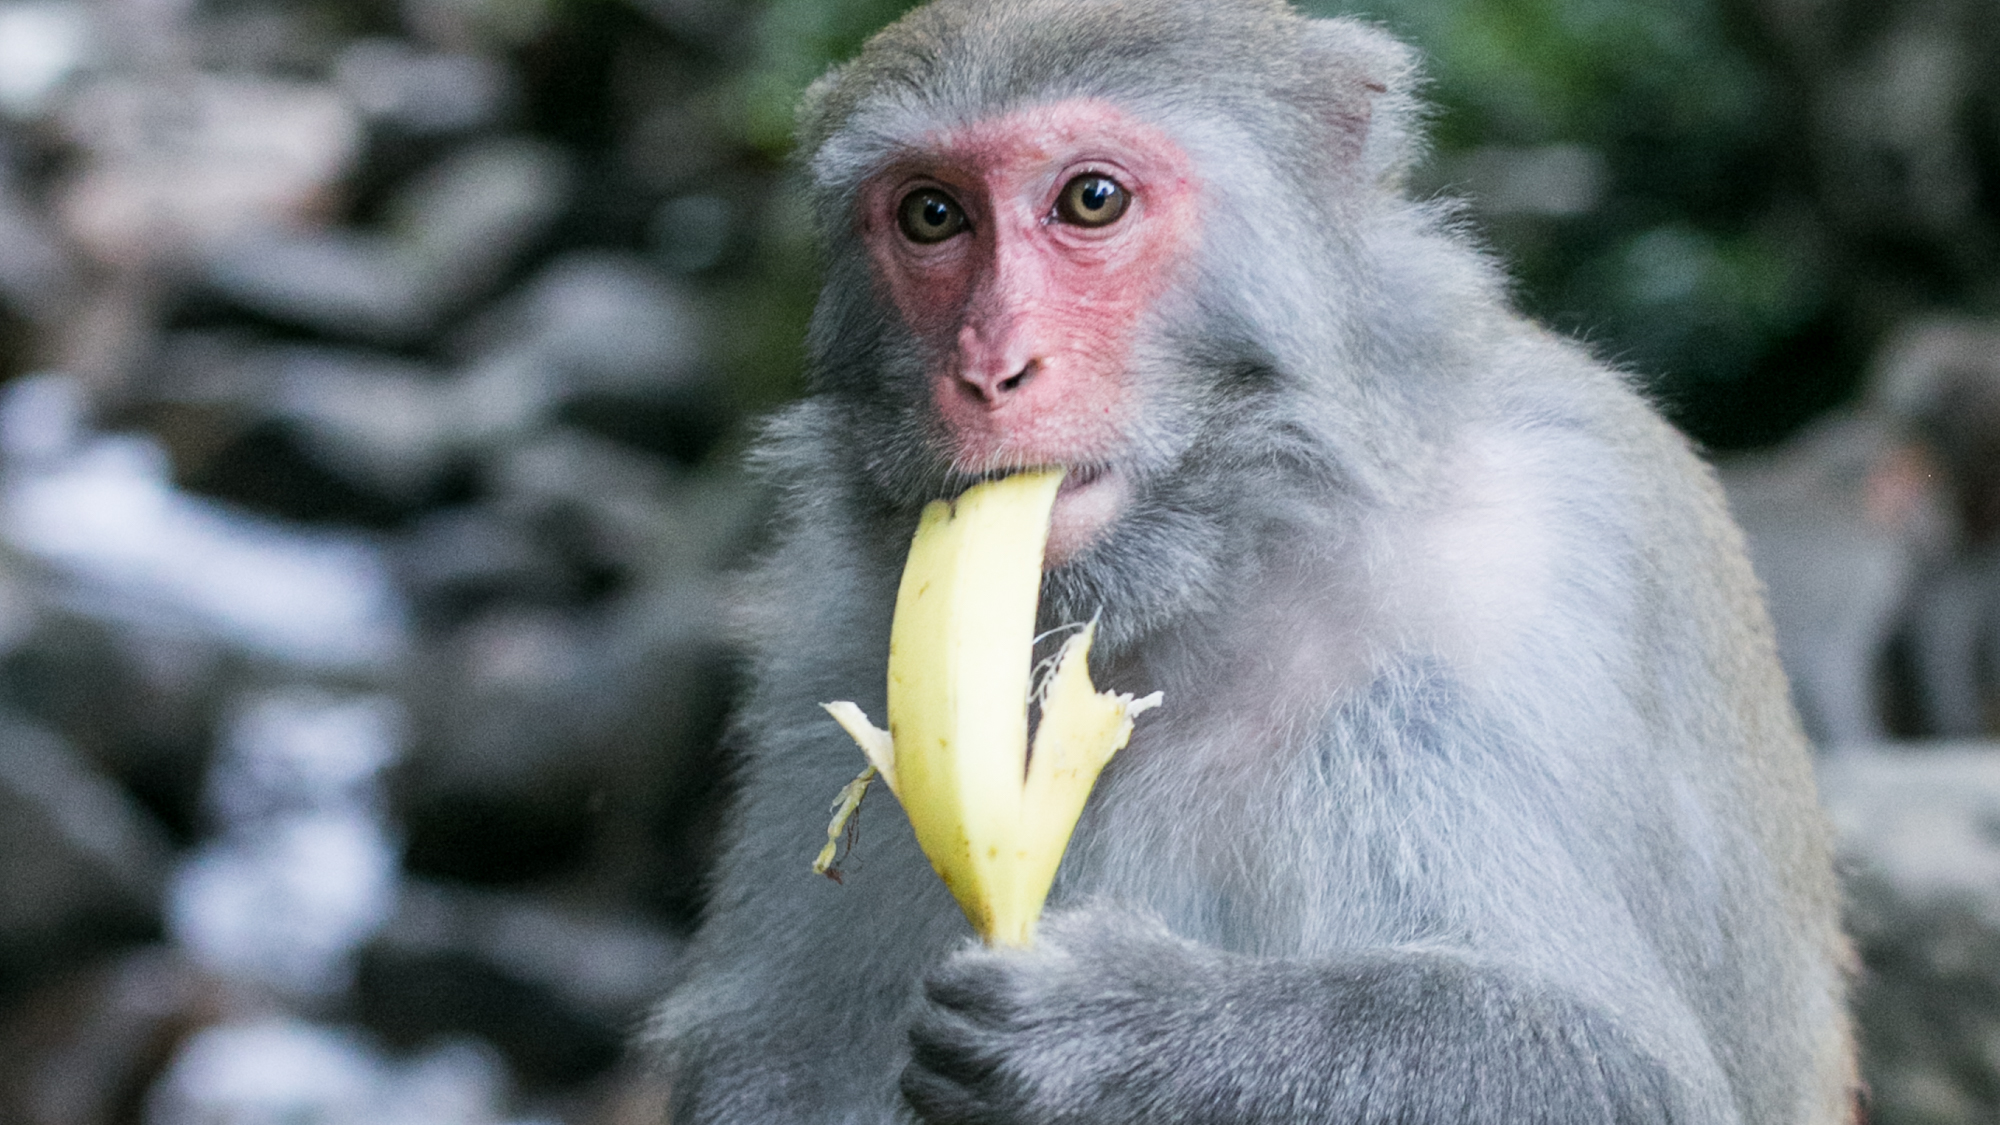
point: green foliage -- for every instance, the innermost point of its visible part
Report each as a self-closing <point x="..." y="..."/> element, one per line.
<point x="1685" y="267"/>
<point x="1536" y="71"/>
<point x="797" y="41"/>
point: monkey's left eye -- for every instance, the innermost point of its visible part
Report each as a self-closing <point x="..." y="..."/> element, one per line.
<point x="1091" y="200"/>
<point x="929" y="215"/>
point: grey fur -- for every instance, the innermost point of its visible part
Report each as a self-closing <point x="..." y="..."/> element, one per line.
<point x="1476" y="796"/>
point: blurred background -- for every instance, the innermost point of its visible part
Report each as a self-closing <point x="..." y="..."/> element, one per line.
<point x="373" y="380"/>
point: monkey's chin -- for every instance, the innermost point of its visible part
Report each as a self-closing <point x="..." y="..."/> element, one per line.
<point x="1086" y="506"/>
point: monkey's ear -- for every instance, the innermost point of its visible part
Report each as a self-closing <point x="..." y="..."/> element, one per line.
<point x="1369" y="81"/>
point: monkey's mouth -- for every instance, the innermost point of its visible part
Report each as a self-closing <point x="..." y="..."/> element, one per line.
<point x="1091" y="498"/>
<point x="1075" y="477"/>
<point x="1081" y="477"/>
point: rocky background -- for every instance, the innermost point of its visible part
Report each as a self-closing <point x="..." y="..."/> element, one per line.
<point x="373" y="380"/>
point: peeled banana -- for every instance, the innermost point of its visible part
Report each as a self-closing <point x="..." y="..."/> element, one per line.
<point x="993" y="819"/>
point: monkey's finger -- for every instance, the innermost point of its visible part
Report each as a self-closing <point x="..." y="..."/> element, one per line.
<point x="939" y="1101"/>
<point x="944" y="1084"/>
<point x="956" y="1070"/>
<point x="975" y="988"/>
<point x="954" y="1050"/>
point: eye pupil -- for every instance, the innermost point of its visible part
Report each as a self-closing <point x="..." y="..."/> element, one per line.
<point x="929" y="215"/>
<point x="1092" y="201"/>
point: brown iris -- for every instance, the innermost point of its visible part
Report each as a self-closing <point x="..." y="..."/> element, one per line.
<point x="928" y="215"/>
<point x="1091" y="200"/>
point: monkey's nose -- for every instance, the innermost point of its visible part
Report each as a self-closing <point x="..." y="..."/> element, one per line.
<point x="993" y="387"/>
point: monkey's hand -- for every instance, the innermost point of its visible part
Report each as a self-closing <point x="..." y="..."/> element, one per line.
<point x="1065" y="1030"/>
<point x="1110" y="1019"/>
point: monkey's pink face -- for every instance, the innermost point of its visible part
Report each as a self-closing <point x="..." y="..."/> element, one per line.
<point x="1024" y="252"/>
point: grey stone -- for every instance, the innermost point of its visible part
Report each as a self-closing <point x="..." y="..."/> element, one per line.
<point x="606" y="323"/>
<point x="279" y="1070"/>
<point x="1919" y="835"/>
<point x="76" y="853"/>
<point x="174" y="168"/>
<point x="605" y="963"/>
<point x="74" y="1050"/>
<point x="38" y="275"/>
<point x="448" y="236"/>
<point x="397" y="84"/>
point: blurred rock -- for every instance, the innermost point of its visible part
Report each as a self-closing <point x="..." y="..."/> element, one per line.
<point x="131" y="547"/>
<point x="80" y="863"/>
<point x="281" y="1071"/>
<point x="37" y="276"/>
<point x="635" y="509"/>
<point x="287" y="905"/>
<point x="447" y="238"/>
<point x="694" y="232"/>
<point x="556" y="989"/>
<point x="396" y="84"/>
<point x="42" y="45"/>
<point x="604" y="331"/>
<point x="608" y="966"/>
<point x="81" y="1050"/>
<point x="1919" y="830"/>
<point x="264" y="36"/>
<point x="304" y="868"/>
<point x="175" y="167"/>
<point x="137" y="701"/>
<point x="551" y="736"/>
<point x="531" y="718"/>
<point x="604" y="323"/>
<point x="390" y="425"/>
<point x="466" y="25"/>
<point x="457" y="561"/>
<point x="361" y="391"/>
<point x="303" y="749"/>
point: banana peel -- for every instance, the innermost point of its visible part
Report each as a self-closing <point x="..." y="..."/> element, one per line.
<point x="993" y="819"/>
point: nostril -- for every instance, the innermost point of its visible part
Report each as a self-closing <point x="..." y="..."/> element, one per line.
<point x="1013" y="382"/>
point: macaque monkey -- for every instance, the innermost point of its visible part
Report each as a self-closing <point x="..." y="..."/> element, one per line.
<point x="1476" y="795"/>
<point x="1844" y="522"/>
<point x="1941" y="378"/>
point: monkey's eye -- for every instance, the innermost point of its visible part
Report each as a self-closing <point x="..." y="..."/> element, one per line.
<point x="1092" y="200"/>
<point x="929" y="215"/>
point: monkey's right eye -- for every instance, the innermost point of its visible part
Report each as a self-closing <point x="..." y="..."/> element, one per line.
<point x="928" y="215"/>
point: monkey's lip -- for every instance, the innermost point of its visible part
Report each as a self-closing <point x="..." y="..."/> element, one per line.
<point x="1090" y="499"/>
<point x="1075" y="477"/>
<point x="1080" y="477"/>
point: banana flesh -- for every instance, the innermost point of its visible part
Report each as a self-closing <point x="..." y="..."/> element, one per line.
<point x="992" y="819"/>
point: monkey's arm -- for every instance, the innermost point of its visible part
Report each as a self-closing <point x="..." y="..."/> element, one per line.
<point x="1110" y="1019"/>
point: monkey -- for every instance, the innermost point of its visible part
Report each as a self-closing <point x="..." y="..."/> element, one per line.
<point x="1846" y="523"/>
<point x="1940" y="377"/>
<point x="1476" y="795"/>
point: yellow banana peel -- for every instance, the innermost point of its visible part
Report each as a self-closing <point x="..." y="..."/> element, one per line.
<point x="993" y="819"/>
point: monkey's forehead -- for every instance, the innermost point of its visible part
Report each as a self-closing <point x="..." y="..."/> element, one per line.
<point x="956" y="61"/>
<point x="1232" y="79"/>
<point x="1041" y="138"/>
